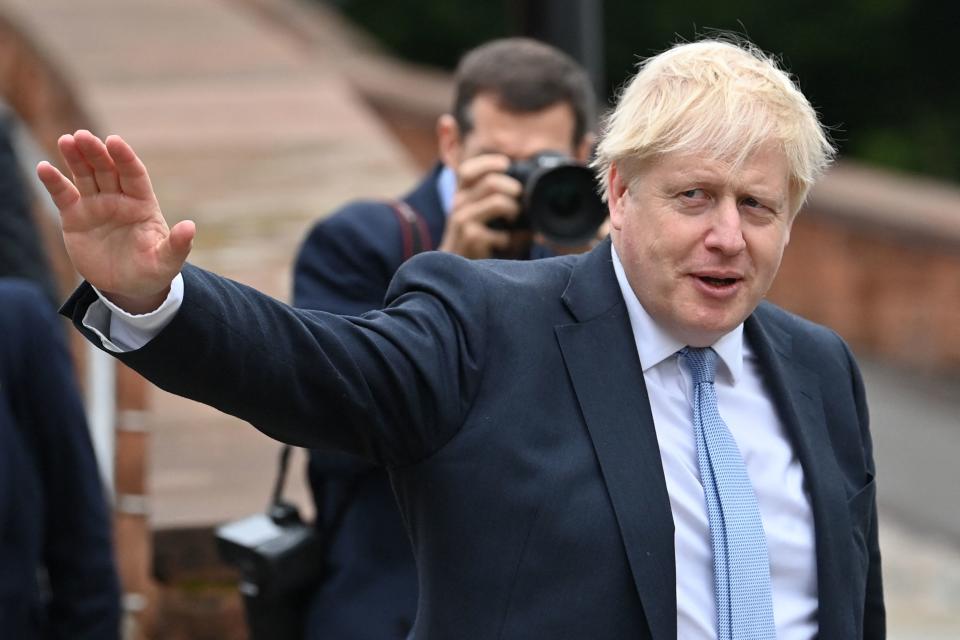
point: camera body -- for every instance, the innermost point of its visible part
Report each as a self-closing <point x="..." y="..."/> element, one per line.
<point x="559" y="200"/>
<point x="276" y="552"/>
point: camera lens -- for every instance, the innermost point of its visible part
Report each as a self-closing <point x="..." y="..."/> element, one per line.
<point x="563" y="204"/>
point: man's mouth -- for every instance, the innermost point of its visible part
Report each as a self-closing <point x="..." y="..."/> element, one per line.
<point x="718" y="282"/>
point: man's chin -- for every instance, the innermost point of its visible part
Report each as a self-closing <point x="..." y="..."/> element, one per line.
<point x="706" y="328"/>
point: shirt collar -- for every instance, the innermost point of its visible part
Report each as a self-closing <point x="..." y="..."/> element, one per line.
<point x="654" y="344"/>
<point x="446" y="187"/>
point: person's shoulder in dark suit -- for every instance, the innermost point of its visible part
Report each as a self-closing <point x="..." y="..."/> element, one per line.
<point x="348" y="258"/>
<point x="21" y="248"/>
<point x="816" y="345"/>
<point x="52" y="503"/>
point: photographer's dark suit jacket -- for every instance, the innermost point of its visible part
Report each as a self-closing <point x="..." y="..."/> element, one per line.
<point x="53" y="512"/>
<point x="508" y="404"/>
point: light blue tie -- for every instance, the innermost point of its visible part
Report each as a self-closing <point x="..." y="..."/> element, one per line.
<point x="740" y="563"/>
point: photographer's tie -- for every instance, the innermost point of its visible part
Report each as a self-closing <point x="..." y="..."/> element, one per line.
<point x="740" y="563"/>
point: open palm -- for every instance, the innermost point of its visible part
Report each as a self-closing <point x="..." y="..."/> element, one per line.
<point x="113" y="229"/>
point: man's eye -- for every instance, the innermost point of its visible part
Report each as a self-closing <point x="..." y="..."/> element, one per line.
<point x="751" y="202"/>
<point x="692" y="193"/>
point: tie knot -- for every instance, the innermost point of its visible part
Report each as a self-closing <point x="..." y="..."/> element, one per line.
<point x="702" y="363"/>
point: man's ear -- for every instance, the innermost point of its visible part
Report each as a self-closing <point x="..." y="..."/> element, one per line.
<point x="582" y="152"/>
<point x="617" y="195"/>
<point x="449" y="142"/>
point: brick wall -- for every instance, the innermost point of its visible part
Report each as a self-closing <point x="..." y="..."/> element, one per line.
<point x="876" y="256"/>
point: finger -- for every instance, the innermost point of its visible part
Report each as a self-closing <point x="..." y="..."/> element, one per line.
<point x="82" y="172"/>
<point x="95" y="153"/>
<point x="473" y="169"/>
<point x="491" y="240"/>
<point x="134" y="179"/>
<point x="478" y="241"/>
<point x="178" y="244"/>
<point x="492" y="207"/>
<point x="492" y="183"/>
<point x="61" y="190"/>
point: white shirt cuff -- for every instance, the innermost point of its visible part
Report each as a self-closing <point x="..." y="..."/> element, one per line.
<point x="120" y="331"/>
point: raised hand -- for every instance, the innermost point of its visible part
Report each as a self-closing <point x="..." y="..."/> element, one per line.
<point x="113" y="229"/>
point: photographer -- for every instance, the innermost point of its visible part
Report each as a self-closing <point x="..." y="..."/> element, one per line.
<point x="513" y="100"/>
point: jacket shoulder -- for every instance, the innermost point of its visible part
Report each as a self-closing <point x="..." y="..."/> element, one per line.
<point x="347" y="259"/>
<point x="504" y="283"/>
<point x="357" y="220"/>
<point x="812" y="342"/>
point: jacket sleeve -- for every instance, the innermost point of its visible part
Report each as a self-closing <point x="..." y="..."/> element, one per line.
<point x="391" y="386"/>
<point x="77" y="545"/>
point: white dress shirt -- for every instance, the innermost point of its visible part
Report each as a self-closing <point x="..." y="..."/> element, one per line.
<point x="772" y="465"/>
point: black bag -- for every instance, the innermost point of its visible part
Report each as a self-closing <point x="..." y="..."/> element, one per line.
<point x="281" y="561"/>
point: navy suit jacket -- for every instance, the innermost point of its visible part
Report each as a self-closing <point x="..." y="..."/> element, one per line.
<point x="508" y="404"/>
<point x="21" y="249"/>
<point x="53" y="512"/>
<point x="369" y="590"/>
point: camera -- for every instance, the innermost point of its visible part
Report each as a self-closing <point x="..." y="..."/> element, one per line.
<point x="559" y="200"/>
<point x="276" y="552"/>
<point x="281" y="560"/>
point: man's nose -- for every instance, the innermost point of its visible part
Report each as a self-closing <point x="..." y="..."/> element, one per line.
<point x="726" y="233"/>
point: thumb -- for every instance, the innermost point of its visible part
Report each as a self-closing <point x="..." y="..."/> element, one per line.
<point x="179" y="242"/>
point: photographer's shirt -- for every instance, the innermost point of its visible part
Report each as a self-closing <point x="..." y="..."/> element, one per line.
<point x="446" y="188"/>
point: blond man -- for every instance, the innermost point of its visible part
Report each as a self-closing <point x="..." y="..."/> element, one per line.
<point x="624" y="444"/>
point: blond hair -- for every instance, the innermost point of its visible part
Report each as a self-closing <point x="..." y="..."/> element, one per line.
<point x="723" y="99"/>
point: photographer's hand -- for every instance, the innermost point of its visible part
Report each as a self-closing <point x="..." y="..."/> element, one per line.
<point x="113" y="229"/>
<point x="484" y="194"/>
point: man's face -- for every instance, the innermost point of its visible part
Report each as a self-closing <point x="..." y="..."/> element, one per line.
<point x="701" y="243"/>
<point x="513" y="134"/>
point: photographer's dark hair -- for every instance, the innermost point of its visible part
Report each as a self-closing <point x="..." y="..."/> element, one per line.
<point x="526" y="76"/>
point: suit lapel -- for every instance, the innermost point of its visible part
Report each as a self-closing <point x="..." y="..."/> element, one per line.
<point x="601" y="358"/>
<point x="796" y="392"/>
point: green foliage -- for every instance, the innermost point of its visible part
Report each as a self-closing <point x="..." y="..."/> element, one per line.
<point x="434" y="32"/>
<point x="882" y="73"/>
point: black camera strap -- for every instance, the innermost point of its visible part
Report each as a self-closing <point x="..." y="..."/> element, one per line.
<point x="329" y="526"/>
<point x="277" y="495"/>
